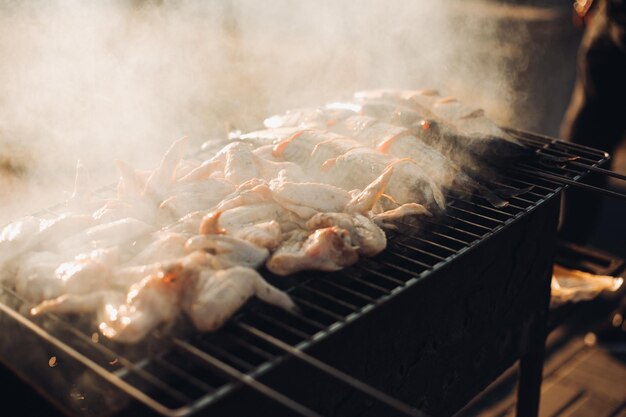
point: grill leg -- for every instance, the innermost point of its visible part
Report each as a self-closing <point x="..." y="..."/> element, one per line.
<point x="530" y="376"/>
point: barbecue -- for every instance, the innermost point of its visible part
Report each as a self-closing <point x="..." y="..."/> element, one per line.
<point x="378" y="323"/>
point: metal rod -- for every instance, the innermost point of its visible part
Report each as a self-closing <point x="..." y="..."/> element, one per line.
<point x="218" y="351"/>
<point x="574" y="183"/>
<point x="480" y="226"/>
<point x="599" y="170"/>
<point x="314" y="306"/>
<point x="306" y="319"/>
<point x="351" y="291"/>
<point x="546" y="139"/>
<point x="491" y="219"/>
<point x="482" y="206"/>
<point x="336" y="373"/>
<point x="425" y="252"/>
<point x="454" y="239"/>
<point x="535" y="185"/>
<point x="522" y="199"/>
<point x="361" y="281"/>
<point x="252" y="348"/>
<point x="411" y="260"/>
<point x="396" y="281"/>
<point x="247" y="380"/>
<point x="201" y="385"/>
<point x="447" y="226"/>
<point x="280" y="324"/>
<point x="439" y="245"/>
<point x="337" y="301"/>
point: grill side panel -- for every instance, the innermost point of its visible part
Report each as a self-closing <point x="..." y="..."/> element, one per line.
<point x="435" y="352"/>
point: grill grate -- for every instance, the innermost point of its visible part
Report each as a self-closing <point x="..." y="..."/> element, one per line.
<point x="181" y="374"/>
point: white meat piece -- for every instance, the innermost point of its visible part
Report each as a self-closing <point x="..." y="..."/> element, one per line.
<point x="331" y="148"/>
<point x="240" y="164"/>
<point x="187" y="224"/>
<point x="269" y="136"/>
<point x="18" y="237"/>
<point x="327" y="249"/>
<point x="435" y="165"/>
<point x="312" y="117"/>
<point x="298" y="147"/>
<point x="44" y="275"/>
<point x="107" y="235"/>
<point x="88" y="272"/>
<point x="260" y="193"/>
<point x="306" y="199"/>
<point x="267" y="235"/>
<point x="214" y="187"/>
<point x="114" y="210"/>
<point x="185" y="167"/>
<point x="364" y="201"/>
<point x="368" y="238"/>
<point x="132" y="182"/>
<point x="34" y="277"/>
<point x="386" y="219"/>
<point x="202" y="171"/>
<point x="29" y="233"/>
<point x="129" y="317"/>
<point x="357" y="168"/>
<point x="229" y="251"/>
<point x="217" y="295"/>
<point x="368" y="131"/>
<point x="167" y="246"/>
<point x="235" y="219"/>
<point x="165" y="174"/>
<point x="302" y="118"/>
<point x="176" y="206"/>
<point x="269" y="169"/>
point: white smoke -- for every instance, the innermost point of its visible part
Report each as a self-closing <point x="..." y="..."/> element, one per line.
<point x="102" y="80"/>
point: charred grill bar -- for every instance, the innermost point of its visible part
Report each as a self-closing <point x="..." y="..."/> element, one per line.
<point x="431" y="321"/>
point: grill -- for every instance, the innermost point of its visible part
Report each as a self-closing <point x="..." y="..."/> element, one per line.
<point x="431" y="321"/>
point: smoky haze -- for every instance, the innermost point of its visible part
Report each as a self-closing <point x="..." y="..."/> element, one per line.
<point x="97" y="81"/>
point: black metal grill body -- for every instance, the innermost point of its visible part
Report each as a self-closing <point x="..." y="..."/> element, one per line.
<point x="435" y="318"/>
<point x="441" y="340"/>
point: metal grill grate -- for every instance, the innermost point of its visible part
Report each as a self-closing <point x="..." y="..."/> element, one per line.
<point x="179" y="374"/>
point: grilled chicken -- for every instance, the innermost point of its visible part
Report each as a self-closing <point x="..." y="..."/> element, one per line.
<point x="128" y="316"/>
<point x="215" y="296"/>
<point x="314" y="190"/>
<point x="327" y="249"/>
<point x="31" y="233"/>
<point x="109" y="234"/>
<point x="366" y="236"/>
<point x="228" y="251"/>
<point x="207" y="295"/>
<point x="44" y="275"/>
<point x="387" y="219"/>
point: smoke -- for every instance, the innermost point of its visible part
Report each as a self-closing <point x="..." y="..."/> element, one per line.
<point x="102" y="80"/>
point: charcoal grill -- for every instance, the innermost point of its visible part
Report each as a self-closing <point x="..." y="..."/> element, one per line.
<point x="450" y="305"/>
